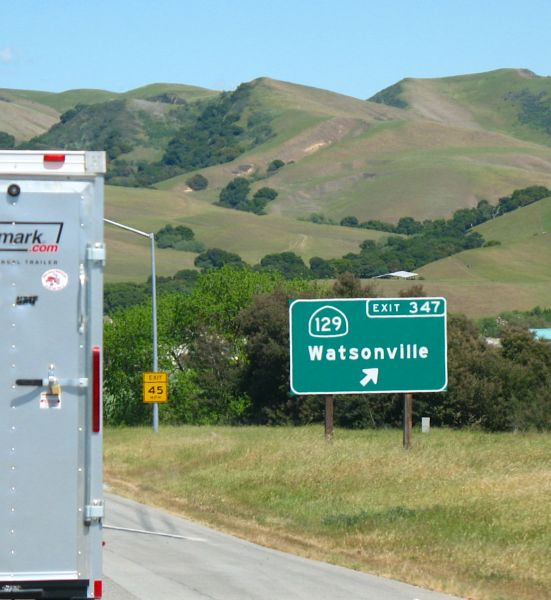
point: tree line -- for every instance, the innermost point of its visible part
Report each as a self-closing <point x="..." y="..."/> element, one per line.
<point x="461" y="221"/>
<point x="225" y="346"/>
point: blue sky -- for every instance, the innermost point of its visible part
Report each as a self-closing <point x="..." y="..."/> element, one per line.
<point x="354" y="47"/>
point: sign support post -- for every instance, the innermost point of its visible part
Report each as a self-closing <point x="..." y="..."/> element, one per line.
<point x="329" y="406"/>
<point x="408" y="420"/>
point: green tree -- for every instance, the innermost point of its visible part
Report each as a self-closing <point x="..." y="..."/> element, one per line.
<point x="219" y="132"/>
<point x="118" y="296"/>
<point x="321" y="268"/>
<point x="266" y="193"/>
<point x="265" y="379"/>
<point x="206" y="322"/>
<point x="347" y="285"/>
<point x="199" y="346"/>
<point x="259" y="200"/>
<point x="275" y="165"/>
<point x="409" y="226"/>
<point x="197" y="182"/>
<point x="169" y="236"/>
<point x="530" y="194"/>
<point x="235" y="193"/>
<point x="216" y="258"/>
<point x="289" y="264"/>
<point x="128" y="354"/>
<point x="349" y="221"/>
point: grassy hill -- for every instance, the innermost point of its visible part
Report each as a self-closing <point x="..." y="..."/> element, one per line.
<point x="460" y="139"/>
<point x="512" y="275"/>
<point x="27" y="113"/>
<point x="376" y="161"/>
<point x="23" y="118"/>
<point x="511" y="101"/>
<point x="249" y="235"/>
<point x="422" y="148"/>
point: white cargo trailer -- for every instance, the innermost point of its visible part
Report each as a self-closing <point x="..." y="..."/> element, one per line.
<point x="51" y="272"/>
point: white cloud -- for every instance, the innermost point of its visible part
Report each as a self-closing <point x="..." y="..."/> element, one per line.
<point x="6" y="55"/>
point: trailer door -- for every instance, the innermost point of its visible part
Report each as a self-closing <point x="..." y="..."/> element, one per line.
<point x="44" y="359"/>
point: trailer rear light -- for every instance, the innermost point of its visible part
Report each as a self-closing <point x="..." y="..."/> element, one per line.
<point x="96" y="389"/>
<point x="54" y="158"/>
<point x="98" y="588"/>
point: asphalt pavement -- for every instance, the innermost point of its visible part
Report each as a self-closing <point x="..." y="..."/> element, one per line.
<point x="153" y="555"/>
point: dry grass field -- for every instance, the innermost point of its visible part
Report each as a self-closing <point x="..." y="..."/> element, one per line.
<point x="463" y="512"/>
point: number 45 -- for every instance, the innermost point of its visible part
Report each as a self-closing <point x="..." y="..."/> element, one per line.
<point x="156" y="389"/>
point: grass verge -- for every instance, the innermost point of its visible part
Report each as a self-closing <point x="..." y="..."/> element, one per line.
<point x="463" y="512"/>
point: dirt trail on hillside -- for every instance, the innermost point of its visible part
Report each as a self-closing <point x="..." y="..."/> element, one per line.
<point x="321" y="136"/>
<point x="299" y="243"/>
<point x="431" y="104"/>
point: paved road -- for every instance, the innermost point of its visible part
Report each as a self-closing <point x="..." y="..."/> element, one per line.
<point x="197" y="563"/>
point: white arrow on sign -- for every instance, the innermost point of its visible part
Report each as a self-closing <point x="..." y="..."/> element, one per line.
<point x="370" y="375"/>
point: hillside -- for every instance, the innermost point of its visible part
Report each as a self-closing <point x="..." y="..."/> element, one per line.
<point x="376" y="161"/>
<point x="23" y="118"/>
<point x="514" y="102"/>
<point x="445" y="144"/>
<point x="421" y="148"/>
<point x="27" y="113"/>
<point x="250" y="236"/>
<point x="512" y="275"/>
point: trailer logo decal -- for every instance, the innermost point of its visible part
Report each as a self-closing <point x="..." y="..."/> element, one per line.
<point x="55" y="280"/>
<point x="22" y="300"/>
<point x="30" y="236"/>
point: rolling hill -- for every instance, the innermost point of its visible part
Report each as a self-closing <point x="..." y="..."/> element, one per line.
<point x="510" y="101"/>
<point x="27" y="113"/>
<point x="351" y="158"/>
<point x="250" y="236"/>
<point x="421" y="148"/>
<point x="513" y="275"/>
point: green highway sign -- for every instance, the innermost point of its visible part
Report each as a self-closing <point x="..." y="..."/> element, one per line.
<point x="368" y="345"/>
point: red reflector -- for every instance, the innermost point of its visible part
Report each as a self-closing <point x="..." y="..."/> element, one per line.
<point x="56" y="158"/>
<point x="98" y="588"/>
<point x="96" y="389"/>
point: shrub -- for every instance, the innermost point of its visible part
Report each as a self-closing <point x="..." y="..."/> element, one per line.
<point x="235" y="193"/>
<point x="349" y="221"/>
<point x="197" y="182"/>
<point x="172" y="237"/>
<point x="275" y="165"/>
<point x="216" y="258"/>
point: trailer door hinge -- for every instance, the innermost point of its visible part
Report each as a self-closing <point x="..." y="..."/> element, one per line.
<point x="93" y="512"/>
<point x="96" y="253"/>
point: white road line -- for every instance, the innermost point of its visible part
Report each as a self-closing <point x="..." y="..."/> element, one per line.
<point x="143" y="531"/>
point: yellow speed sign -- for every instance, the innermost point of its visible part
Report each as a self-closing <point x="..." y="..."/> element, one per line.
<point x="155" y="387"/>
